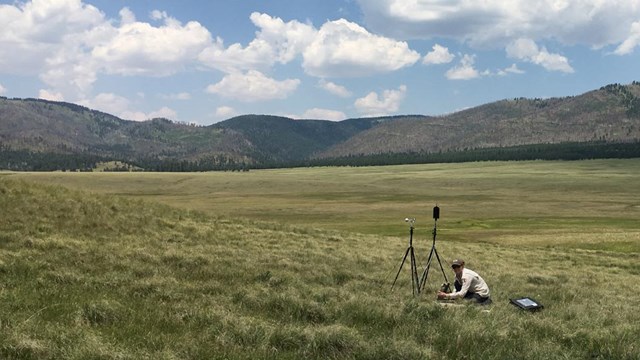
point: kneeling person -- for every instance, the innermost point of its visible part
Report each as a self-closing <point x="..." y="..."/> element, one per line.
<point x="468" y="284"/>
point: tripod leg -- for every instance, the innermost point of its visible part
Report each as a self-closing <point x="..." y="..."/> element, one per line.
<point x="441" y="268"/>
<point x="415" y="284"/>
<point x="401" y="264"/>
<point x="425" y="273"/>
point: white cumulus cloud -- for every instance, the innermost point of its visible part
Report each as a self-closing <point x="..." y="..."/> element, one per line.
<point x="68" y="44"/>
<point x="513" y="69"/>
<point x="110" y="103"/>
<point x="291" y="37"/>
<point x="338" y="48"/>
<point x="123" y="108"/>
<point x="276" y="42"/>
<point x="323" y="114"/>
<point x="159" y="15"/>
<point x="225" y="112"/>
<point x="528" y="50"/>
<point x="439" y="55"/>
<point x="253" y="86"/>
<point x="594" y="23"/>
<point x="631" y="42"/>
<point x="3" y="90"/>
<point x="465" y="70"/>
<point x="334" y="89"/>
<point x="50" y="95"/>
<point x="49" y="39"/>
<point x="139" y="48"/>
<point x="257" y="55"/>
<point x="127" y="16"/>
<point x="163" y="112"/>
<point x="379" y="105"/>
<point x="343" y="48"/>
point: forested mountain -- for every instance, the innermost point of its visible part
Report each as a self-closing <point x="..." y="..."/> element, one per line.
<point x="277" y="139"/>
<point x="610" y="114"/>
<point x="45" y="135"/>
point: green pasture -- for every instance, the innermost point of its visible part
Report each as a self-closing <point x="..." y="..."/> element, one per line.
<point x="298" y="263"/>
<point x="583" y="204"/>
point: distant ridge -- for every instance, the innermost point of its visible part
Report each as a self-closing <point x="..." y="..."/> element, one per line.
<point x="276" y="139"/>
<point x="46" y="135"/>
<point x="610" y="114"/>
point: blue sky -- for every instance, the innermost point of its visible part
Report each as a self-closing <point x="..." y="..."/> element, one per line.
<point x="206" y="61"/>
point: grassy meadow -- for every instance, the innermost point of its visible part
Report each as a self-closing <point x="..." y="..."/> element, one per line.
<point x="298" y="263"/>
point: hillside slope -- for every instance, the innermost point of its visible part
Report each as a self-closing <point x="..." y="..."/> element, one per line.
<point x="46" y="135"/>
<point x="57" y="127"/>
<point x="276" y="138"/>
<point x="611" y="114"/>
<point x="46" y="127"/>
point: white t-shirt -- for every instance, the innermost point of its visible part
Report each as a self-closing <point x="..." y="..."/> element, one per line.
<point x="471" y="282"/>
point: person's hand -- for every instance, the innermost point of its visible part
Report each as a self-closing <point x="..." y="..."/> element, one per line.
<point x="442" y="295"/>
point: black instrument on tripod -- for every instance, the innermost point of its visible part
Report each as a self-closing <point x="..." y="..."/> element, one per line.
<point x="415" y="285"/>
<point x="425" y="274"/>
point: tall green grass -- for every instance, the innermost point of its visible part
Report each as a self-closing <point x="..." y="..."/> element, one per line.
<point x="97" y="276"/>
<point x="491" y="201"/>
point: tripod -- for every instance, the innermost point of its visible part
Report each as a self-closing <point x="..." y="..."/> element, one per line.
<point x="425" y="274"/>
<point x="415" y="285"/>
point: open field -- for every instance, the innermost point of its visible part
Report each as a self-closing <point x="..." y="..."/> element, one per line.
<point x="298" y="263"/>
<point x="584" y="204"/>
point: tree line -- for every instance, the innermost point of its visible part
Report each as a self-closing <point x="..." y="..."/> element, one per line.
<point x="562" y="151"/>
<point x="23" y="160"/>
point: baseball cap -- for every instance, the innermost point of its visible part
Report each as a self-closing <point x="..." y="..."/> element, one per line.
<point x="457" y="262"/>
